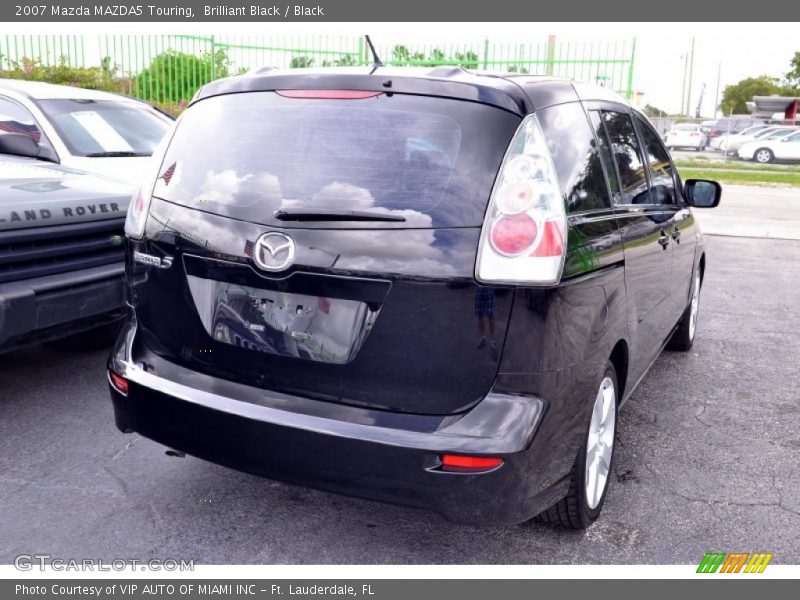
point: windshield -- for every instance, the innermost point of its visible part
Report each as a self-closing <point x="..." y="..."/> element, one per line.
<point x="779" y="133"/>
<point x="106" y="127"/>
<point x="752" y="130"/>
<point x="431" y="161"/>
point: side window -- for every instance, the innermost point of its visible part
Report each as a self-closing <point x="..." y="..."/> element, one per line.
<point x="575" y="156"/>
<point x="795" y="138"/>
<point x="627" y="157"/>
<point x="662" y="178"/>
<point x="605" y="149"/>
<point x="15" y="119"/>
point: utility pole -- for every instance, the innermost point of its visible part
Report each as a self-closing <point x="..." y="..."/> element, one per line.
<point x="700" y="101"/>
<point x="716" y="95"/>
<point x="691" y="69"/>
<point x="685" y="58"/>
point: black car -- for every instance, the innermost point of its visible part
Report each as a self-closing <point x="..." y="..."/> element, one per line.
<point x="427" y="287"/>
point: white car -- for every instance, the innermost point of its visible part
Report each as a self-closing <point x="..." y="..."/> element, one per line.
<point x="732" y="143"/>
<point x="766" y="151"/>
<point x="93" y="131"/>
<point x="685" y="135"/>
<point x="724" y="141"/>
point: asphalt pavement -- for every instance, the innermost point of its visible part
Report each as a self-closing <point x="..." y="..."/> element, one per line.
<point x="707" y="459"/>
<point x="750" y="211"/>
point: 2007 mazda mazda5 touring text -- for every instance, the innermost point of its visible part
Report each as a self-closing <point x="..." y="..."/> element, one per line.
<point x="428" y="287"/>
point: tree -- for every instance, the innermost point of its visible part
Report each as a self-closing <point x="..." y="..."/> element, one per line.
<point x="301" y="62"/>
<point x="345" y="60"/>
<point x="793" y="76"/>
<point x="513" y="68"/>
<point x="173" y="77"/>
<point x="468" y="59"/>
<point x="654" y="112"/>
<point x="401" y="56"/>
<point x="105" y="77"/>
<point x="438" y="57"/>
<point x="735" y="97"/>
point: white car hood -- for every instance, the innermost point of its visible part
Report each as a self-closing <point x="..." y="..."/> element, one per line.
<point x="126" y="169"/>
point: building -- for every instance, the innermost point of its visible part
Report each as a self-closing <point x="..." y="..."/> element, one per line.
<point x="767" y="106"/>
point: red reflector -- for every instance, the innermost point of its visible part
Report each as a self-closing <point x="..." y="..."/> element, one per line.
<point x="119" y="384"/>
<point x="470" y="462"/>
<point x="327" y="94"/>
<point x="552" y="242"/>
<point x="514" y="235"/>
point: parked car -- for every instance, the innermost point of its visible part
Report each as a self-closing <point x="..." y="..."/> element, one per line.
<point x="706" y="127"/>
<point x="686" y="135"/>
<point x="442" y="304"/>
<point x="93" y="131"/>
<point x="724" y="141"/>
<point x="61" y="250"/>
<point x="731" y="124"/>
<point x="785" y="148"/>
<point x="732" y="144"/>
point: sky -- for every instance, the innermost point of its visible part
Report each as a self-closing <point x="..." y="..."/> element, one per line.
<point x="734" y="50"/>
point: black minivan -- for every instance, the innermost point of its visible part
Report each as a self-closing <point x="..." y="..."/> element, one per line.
<point x="428" y="287"/>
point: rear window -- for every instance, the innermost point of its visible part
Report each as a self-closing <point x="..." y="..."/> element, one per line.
<point x="430" y="160"/>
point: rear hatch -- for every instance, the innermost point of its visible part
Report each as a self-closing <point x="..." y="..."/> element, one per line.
<point x="362" y="291"/>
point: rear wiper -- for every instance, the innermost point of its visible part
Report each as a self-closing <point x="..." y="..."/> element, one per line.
<point x="116" y="154"/>
<point x="321" y="214"/>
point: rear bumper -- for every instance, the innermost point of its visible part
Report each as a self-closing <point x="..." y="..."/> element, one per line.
<point x="55" y="306"/>
<point x="378" y="455"/>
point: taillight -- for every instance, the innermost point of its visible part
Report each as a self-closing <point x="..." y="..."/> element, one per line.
<point x="462" y="464"/>
<point x="139" y="206"/>
<point x="511" y="236"/>
<point x="118" y="383"/>
<point x="137" y="213"/>
<point x="524" y="233"/>
<point x="327" y="94"/>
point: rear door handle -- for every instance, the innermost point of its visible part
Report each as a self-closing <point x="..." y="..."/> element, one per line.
<point x="663" y="239"/>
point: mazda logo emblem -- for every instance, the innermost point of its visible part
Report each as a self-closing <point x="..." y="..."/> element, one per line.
<point x="274" y="251"/>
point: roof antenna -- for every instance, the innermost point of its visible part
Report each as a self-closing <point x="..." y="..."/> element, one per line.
<point x="376" y="61"/>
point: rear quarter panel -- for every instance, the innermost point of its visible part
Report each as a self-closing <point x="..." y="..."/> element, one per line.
<point x="560" y="339"/>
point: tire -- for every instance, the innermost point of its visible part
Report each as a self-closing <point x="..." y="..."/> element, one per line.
<point x="683" y="338"/>
<point x="578" y="510"/>
<point x="87" y="341"/>
<point x="763" y="156"/>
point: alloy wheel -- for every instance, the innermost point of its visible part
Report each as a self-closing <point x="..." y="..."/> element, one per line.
<point x="695" y="308"/>
<point x="600" y="445"/>
<point x="763" y="156"/>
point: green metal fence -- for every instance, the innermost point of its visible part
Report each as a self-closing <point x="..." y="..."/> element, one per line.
<point x="168" y="69"/>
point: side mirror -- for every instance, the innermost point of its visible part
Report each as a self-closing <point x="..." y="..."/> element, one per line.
<point x="18" y="144"/>
<point x="702" y="193"/>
